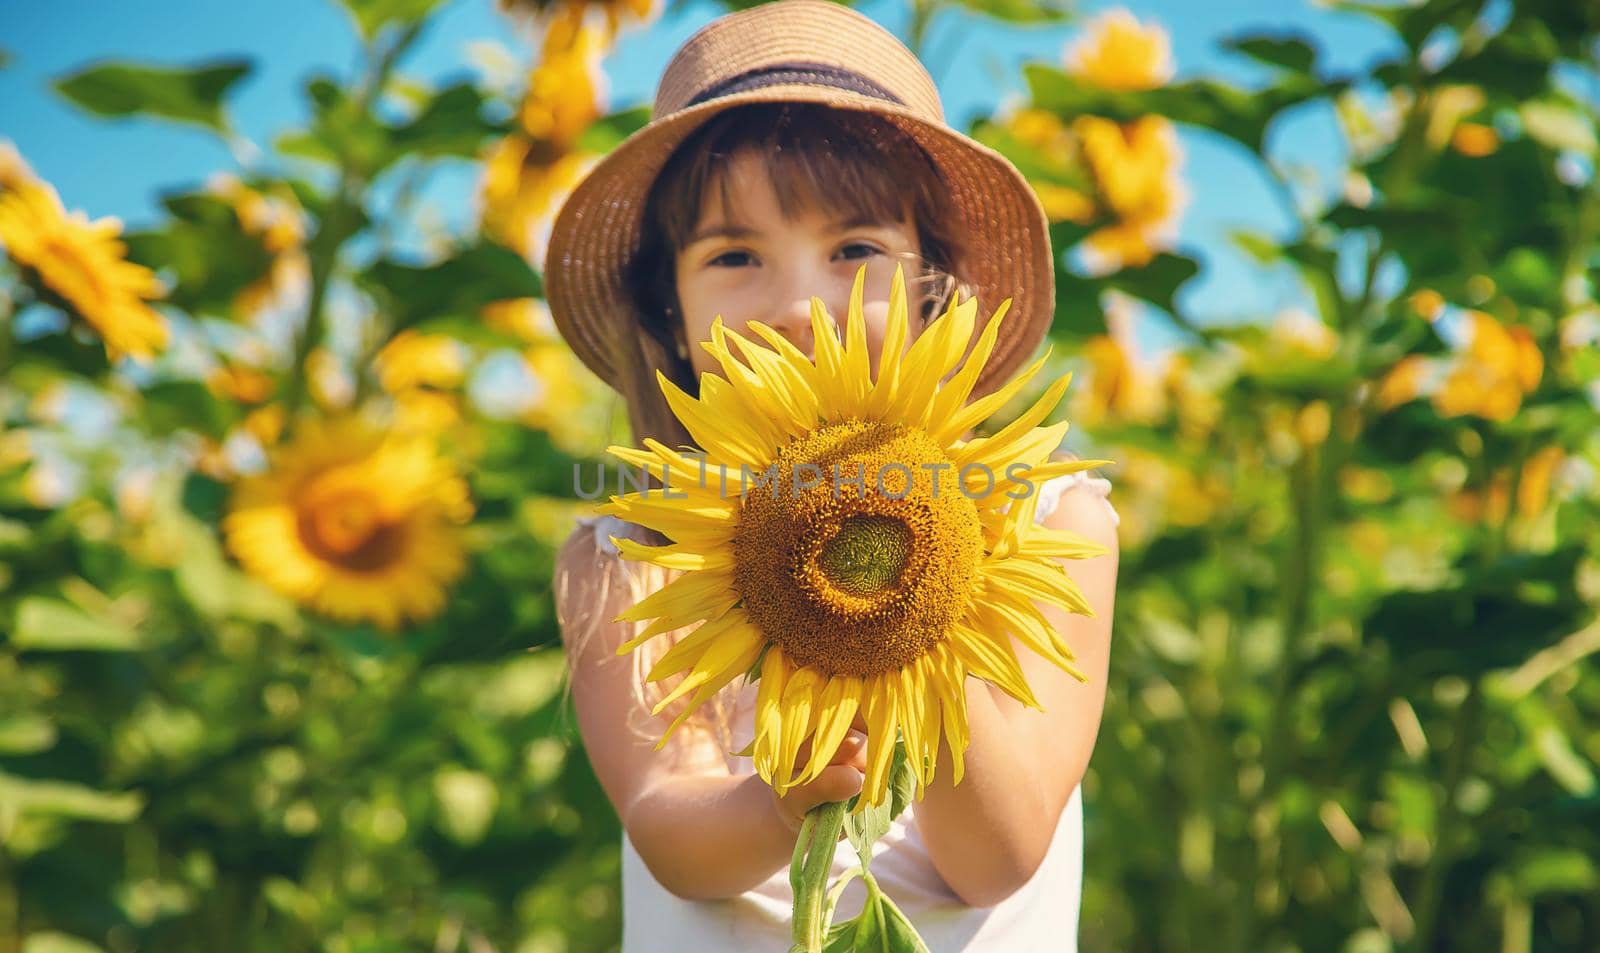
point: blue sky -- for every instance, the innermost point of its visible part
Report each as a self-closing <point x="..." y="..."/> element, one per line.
<point x="121" y="167"/>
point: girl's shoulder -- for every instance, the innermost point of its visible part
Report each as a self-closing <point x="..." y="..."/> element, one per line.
<point x="591" y="581"/>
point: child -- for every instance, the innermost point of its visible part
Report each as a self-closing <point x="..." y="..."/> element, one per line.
<point x="791" y="144"/>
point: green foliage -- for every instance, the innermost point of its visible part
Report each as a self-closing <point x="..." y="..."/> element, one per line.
<point x="1021" y="11"/>
<point x="206" y="248"/>
<point x="459" y="285"/>
<point x="191" y="95"/>
<point x="1241" y="115"/>
<point x="372" y="16"/>
<point x="1293" y="53"/>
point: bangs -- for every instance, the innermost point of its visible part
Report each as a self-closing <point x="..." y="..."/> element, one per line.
<point x="839" y="162"/>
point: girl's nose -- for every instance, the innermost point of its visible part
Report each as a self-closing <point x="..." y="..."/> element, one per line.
<point x="793" y="321"/>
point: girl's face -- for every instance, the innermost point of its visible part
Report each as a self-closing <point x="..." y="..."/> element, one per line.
<point x="758" y="265"/>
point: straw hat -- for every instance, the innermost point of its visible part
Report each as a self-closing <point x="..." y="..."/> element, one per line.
<point x="801" y="51"/>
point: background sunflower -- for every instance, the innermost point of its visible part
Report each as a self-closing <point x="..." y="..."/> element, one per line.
<point x="354" y="524"/>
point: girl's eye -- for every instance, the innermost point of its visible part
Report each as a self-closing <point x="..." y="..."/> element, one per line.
<point x="731" y="259"/>
<point x="861" y="248"/>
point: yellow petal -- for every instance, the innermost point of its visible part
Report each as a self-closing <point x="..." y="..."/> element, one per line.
<point x="1031" y="629"/>
<point x="690" y="649"/>
<point x="830" y="358"/>
<point x="913" y="720"/>
<point x="769" y="713"/>
<point x="738" y="666"/>
<point x="799" y="695"/>
<point x="725" y="659"/>
<point x="952" y="689"/>
<point x="984" y="407"/>
<point x="857" y="360"/>
<point x="682" y="597"/>
<point x="882" y="722"/>
<point x="955" y="392"/>
<point x="672" y="557"/>
<point x="786" y="390"/>
<point x="932" y="356"/>
<point x="840" y="699"/>
<point x="997" y="457"/>
<point x="710" y="524"/>
<point x="997" y="446"/>
<point x="894" y="346"/>
<point x="1059" y="544"/>
<point x="721" y="432"/>
<point x="1031" y="579"/>
<point x="994" y="660"/>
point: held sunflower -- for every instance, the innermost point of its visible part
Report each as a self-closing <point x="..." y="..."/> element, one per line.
<point x="868" y="559"/>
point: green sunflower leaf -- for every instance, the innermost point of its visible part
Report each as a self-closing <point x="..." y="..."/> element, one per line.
<point x="461" y="284"/>
<point x="865" y="828"/>
<point x="841" y="938"/>
<point x="898" y="933"/>
<point x="53" y="625"/>
<point x="1292" y="53"/>
<point x="371" y="16"/>
<point x="191" y="95"/>
<point x="902" y="782"/>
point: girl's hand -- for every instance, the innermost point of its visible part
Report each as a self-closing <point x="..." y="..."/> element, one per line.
<point x="839" y="781"/>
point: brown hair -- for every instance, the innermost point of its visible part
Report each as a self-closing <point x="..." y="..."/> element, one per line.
<point x="841" y="161"/>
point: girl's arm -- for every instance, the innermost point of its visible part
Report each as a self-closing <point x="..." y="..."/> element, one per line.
<point x="988" y="835"/>
<point x="703" y="833"/>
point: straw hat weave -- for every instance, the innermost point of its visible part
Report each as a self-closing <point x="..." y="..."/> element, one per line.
<point x="811" y="51"/>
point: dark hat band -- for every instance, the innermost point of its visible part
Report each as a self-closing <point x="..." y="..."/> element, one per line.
<point x="810" y="74"/>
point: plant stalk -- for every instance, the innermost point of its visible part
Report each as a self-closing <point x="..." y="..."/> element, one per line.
<point x="808" y="874"/>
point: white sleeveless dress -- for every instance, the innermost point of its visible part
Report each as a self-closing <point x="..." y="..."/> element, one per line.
<point x="1041" y="917"/>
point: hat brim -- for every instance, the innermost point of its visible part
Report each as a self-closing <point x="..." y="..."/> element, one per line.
<point x="1004" y="230"/>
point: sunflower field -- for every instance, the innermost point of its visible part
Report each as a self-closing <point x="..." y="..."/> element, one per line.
<point x="280" y="500"/>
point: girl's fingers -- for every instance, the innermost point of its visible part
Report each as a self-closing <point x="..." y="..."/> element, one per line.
<point x="852" y="750"/>
<point x="837" y="782"/>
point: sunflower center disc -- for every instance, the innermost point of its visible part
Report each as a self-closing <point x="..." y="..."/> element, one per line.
<point x="341" y="521"/>
<point x="868" y="554"/>
<point x="857" y="550"/>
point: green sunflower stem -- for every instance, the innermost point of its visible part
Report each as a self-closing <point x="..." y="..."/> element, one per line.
<point x="808" y="873"/>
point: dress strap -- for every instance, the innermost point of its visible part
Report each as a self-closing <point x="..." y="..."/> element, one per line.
<point x="1050" y="491"/>
<point x="605" y="526"/>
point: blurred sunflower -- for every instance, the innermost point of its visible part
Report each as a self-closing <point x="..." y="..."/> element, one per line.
<point x="1056" y="166"/>
<point x="82" y="263"/>
<point x="276" y="221"/>
<point x="412" y="359"/>
<point x="1119" y="53"/>
<point x="567" y="395"/>
<point x="569" y="13"/>
<point x="530" y="172"/>
<point x="1474" y="140"/>
<point x="1124" y="387"/>
<point x="355" y="524"/>
<point x="880" y="601"/>
<point x="1490" y="377"/>
<point x="1135" y="167"/>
